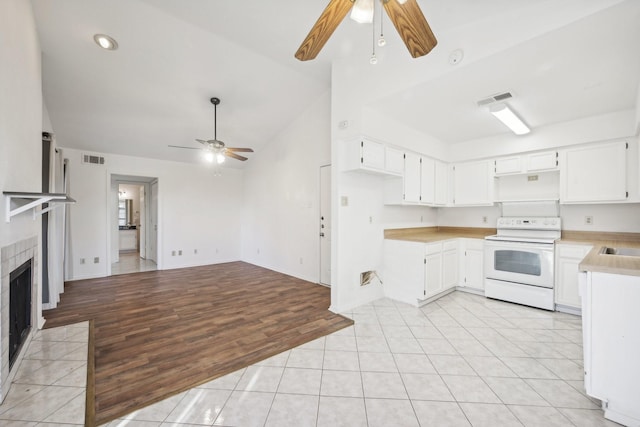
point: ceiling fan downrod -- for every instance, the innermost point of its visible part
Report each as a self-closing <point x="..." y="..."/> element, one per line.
<point x="215" y="101"/>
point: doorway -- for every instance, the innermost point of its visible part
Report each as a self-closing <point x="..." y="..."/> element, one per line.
<point x="133" y="224"/>
<point x="325" y="225"/>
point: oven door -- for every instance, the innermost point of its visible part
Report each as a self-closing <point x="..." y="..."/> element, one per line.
<point x="519" y="262"/>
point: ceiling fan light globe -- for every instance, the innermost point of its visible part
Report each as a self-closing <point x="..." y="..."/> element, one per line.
<point x="362" y="11"/>
<point x="220" y="158"/>
<point x="209" y="157"/>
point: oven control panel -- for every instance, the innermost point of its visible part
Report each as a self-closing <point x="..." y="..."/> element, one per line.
<point x="529" y="223"/>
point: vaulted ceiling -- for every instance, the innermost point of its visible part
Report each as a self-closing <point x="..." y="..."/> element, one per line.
<point x="173" y="56"/>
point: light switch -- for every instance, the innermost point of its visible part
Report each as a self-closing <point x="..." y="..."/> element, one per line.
<point x="344" y="201"/>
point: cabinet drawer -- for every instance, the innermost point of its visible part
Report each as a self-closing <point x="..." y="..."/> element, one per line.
<point x="433" y="248"/>
<point x="449" y="245"/>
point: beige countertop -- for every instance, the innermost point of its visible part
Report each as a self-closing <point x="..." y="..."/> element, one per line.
<point x="434" y="234"/>
<point x="594" y="261"/>
<point x="602" y="263"/>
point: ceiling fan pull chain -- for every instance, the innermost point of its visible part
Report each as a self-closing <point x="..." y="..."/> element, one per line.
<point x="373" y="60"/>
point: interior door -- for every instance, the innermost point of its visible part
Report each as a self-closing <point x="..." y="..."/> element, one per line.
<point x="325" y="225"/>
<point x="142" y="227"/>
<point x="152" y="250"/>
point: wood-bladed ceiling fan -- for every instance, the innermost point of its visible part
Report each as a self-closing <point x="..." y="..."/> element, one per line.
<point x="406" y="16"/>
<point x="214" y="148"/>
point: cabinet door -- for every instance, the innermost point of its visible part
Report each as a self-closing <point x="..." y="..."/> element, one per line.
<point x="508" y="165"/>
<point x="372" y="154"/>
<point x="411" y="178"/>
<point x="538" y="162"/>
<point x="474" y="263"/>
<point x="393" y="161"/>
<point x="433" y="275"/>
<point x="596" y="173"/>
<point x="404" y="268"/>
<point x="441" y="183"/>
<point x="472" y="184"/>
<point x="427" y="181"/>
<point x="449" y="269"/>
<point x="567" y="272"/>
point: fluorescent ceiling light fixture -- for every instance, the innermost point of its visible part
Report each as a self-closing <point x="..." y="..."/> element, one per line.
<point x="506" y="115"/>
<point x="402" y="1"/>
<point x="105" y="42"/>
<point x="362" y="11"/>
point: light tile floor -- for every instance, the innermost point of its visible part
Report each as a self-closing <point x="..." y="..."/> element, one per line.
<point x="130" y="262"/>
<point x="49" y="386"/>
<point x="463" y="360"/>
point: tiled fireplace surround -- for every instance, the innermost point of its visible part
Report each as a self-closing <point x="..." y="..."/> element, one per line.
<point x="13" y="256"/>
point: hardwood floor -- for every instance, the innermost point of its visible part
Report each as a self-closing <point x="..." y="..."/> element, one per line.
<point x="162" y="332"/>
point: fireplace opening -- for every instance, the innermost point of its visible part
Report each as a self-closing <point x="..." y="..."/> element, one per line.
<point x="19" y="308"/>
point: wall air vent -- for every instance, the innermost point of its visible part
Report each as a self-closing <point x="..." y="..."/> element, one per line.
<point x="91" y="159"/>
<point x="495" y="98"/>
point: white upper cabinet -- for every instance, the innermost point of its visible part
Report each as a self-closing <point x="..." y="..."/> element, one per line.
<point x="428" y="181"/>
<point x="441" y="183"/>
<point x="527" y="163"/>
<point x="594" y="173"/>
<point x="411" y="178"/>
<point x="539" y="162"/>
<point x="393" y="161"/>
<point x="473" y="183"/>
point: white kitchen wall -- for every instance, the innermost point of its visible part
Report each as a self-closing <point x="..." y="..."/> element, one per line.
<point x="196" y="210"/>
<point x="617" y="125"/>
<point x="610" y="217"/>
<point x="280" y="221"/>
<point x="638" y="112"/>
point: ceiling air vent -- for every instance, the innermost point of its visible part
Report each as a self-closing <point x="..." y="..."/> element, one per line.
<point x="495" y="98"/>
<point x="91" y="159"/>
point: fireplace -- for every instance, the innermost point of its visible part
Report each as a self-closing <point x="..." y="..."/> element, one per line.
<point x="18" y="305"/>
<point x="19" y="308"/>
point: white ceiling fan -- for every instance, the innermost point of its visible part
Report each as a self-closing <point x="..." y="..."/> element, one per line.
<point x="214" y="148"/>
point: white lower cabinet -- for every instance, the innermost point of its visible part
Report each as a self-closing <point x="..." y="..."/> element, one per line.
<point x="568" y="257"/>
<point x="472" y="265"/>
<point x="414" y="272"/>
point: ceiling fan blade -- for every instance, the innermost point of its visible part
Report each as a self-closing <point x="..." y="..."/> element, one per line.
<point x="241" y="150"/>
<point x="188" y="148"/>
<point x="234" y="155"/>
<point x="329" y="20"/>
<point x="412" y="26"/>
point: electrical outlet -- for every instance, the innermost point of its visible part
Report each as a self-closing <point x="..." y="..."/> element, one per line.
<point x="195" y="252"/>
<point x="421" y="218"/>
<point x="370" y="220"/>
<point x="81" y="260"/>
<point x="588" y="220"/>
<point x="258" y="251"/>
<point x="532" y="178"/>
<point x="173" y="253"/>
<point x="344" y="201"/>
<point x="484" y="219"/>
<point x="96" y="260"/>
<point x="301" y="260"/>
<point x="180" y="252"/>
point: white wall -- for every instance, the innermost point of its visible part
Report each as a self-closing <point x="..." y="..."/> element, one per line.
<point x="196" y="210"/>
<point x="20" y="124"/>
<point x="20" y="113"/>
<point x="590" y="129"/>
<point x="280" y="221"/>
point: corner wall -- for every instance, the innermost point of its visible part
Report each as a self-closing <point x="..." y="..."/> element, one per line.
<point x="281" y="212"/>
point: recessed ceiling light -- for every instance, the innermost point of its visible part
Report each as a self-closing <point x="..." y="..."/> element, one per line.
<point x="105" y="42"/>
